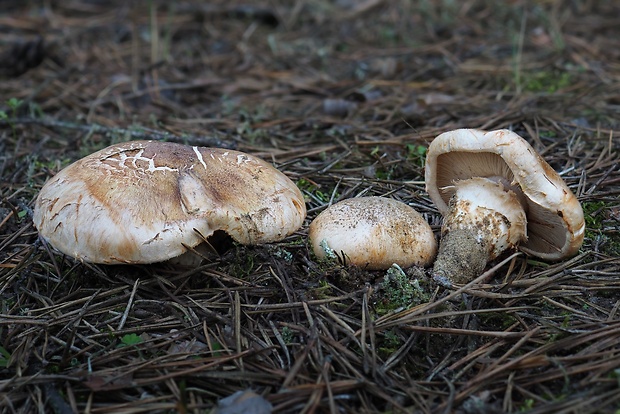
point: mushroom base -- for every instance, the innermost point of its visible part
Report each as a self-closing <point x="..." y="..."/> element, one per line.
<point x="485" y="218"/>
<point x="461" y="257"/>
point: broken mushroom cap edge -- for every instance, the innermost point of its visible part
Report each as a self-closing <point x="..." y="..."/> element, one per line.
<point x="142" y="201"/>
<point x="555" y="228"/>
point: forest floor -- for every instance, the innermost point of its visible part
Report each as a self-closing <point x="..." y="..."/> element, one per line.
<point x="344" y="98"/>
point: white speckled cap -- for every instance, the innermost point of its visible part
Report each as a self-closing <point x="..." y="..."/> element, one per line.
<point x="141" y="202"/>
<point x="374" y="233"/>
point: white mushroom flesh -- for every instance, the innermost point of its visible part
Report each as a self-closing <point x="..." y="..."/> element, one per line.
<point x="492" y="211"/>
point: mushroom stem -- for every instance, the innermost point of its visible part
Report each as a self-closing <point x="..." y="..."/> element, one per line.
<point x="486" y="217"/>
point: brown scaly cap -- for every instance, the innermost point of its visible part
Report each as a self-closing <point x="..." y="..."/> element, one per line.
<point x="141" y="201"/>
<point x="555" y="226"/>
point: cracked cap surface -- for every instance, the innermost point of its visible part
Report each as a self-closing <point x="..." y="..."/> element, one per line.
<point x="141" y="201"/>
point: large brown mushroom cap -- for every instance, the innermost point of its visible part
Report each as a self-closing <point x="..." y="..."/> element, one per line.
<point x="374" y="233"/>
<point x="142" y="201"/>
<point x="555" y="224"/>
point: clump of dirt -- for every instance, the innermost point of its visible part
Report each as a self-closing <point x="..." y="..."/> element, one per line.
<point x="461" y="257"/>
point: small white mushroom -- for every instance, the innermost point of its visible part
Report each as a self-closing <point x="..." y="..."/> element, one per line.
<point x="373" y="233"/>
<point x="496" y="193"/>
<point x="146" y="201"/>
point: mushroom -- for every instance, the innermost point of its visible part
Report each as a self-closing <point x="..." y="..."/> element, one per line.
<point x="374" y="233"/>
<point x="149" y="201"/>
<point x="496" y="193"/>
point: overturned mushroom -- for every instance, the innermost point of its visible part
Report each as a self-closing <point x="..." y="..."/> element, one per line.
<point x="374" y="233"/>
<point x="497" y="193"/>
<point x="148" y="201"/>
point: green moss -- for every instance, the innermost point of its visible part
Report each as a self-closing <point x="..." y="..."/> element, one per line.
<point x="416" y="154"/>
<point x="243" y="266"/>
<point x="323" y="291"/>
<point x="527" y="405"/>
<point x="389" y="344"/>
<point x="548" y="134"/>
<point x="596" y="234"/>
<point x="287" y="335"/>
<point x="591" y="214"/>
<point x="546" y="81"/>
<point x="53" y="368"/>
<point x="398" y="290"/>
<point x="382" y="174"/>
